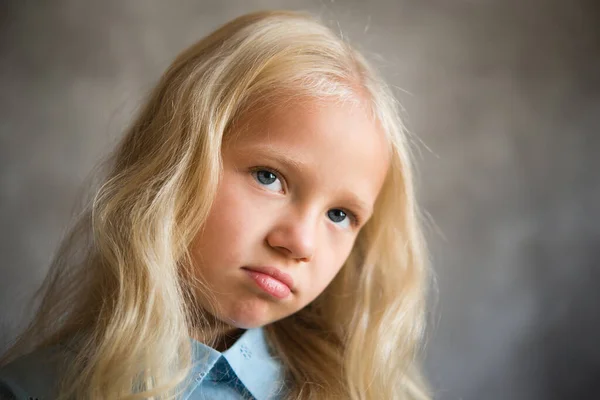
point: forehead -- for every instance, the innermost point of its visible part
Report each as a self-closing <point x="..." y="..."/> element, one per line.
<point x="334" y="143"/>
<point x="332" y="125"/>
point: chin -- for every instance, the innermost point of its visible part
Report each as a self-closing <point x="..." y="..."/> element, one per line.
<point x="249" y="314"/>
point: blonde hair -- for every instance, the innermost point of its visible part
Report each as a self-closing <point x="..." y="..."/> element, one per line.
<point x="121" y="281"/>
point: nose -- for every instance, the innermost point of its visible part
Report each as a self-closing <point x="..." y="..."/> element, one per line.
<point x="294" y="237"/>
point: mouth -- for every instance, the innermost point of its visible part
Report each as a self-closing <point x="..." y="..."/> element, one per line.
<point x="271" y="280"/>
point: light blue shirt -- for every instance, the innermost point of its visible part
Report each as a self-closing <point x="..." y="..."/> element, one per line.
<point x="245" y="371"/>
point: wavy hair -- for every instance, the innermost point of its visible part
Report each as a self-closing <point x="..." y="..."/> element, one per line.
<point x="121" y="282"/>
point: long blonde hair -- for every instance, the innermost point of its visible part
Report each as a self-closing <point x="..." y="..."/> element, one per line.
<point x="121" y="282"/>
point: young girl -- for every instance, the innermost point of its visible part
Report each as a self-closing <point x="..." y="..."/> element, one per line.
<point x="256" y="237"/>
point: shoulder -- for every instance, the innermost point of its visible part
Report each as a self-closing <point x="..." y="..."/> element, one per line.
<point x="33" y="376"/>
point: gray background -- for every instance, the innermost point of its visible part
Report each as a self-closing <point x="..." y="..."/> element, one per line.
<point x="505" y="96"/>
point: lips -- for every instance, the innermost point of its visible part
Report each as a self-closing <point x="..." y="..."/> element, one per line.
<point x="271" y="280"/>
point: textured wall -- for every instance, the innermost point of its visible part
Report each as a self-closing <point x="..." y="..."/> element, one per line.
<point x="504" y="94"/>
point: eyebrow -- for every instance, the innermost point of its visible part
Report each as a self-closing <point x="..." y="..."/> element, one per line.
<point x="298" y="166"/>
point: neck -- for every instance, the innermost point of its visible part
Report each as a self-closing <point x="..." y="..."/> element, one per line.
<point x="226" y="340"/>
<point x="216" y="334"/>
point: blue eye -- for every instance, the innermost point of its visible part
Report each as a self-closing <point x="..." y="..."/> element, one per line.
<point x="339" y="217"/>
<point x="268" y="179"/>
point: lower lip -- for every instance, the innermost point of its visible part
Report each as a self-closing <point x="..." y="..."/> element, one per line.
<point x="269" y="284"/>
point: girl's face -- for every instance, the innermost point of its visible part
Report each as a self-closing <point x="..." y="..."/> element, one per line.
<point x="298" y="184"/>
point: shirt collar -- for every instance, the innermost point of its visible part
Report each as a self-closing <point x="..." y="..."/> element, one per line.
<point x="250" y="358"/>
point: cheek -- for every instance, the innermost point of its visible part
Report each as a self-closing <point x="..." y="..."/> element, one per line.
<point x="235" y="208"/>
<point x="329" y="265"/>
<point x="223" y="232"/>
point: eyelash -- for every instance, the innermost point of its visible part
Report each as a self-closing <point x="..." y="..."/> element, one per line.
<point x="355" y="220"/>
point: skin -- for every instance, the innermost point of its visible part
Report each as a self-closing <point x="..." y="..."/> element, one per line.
<point x="285" y="174"/>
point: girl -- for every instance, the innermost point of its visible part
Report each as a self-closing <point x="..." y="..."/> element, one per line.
<point x="256" y="237"/>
